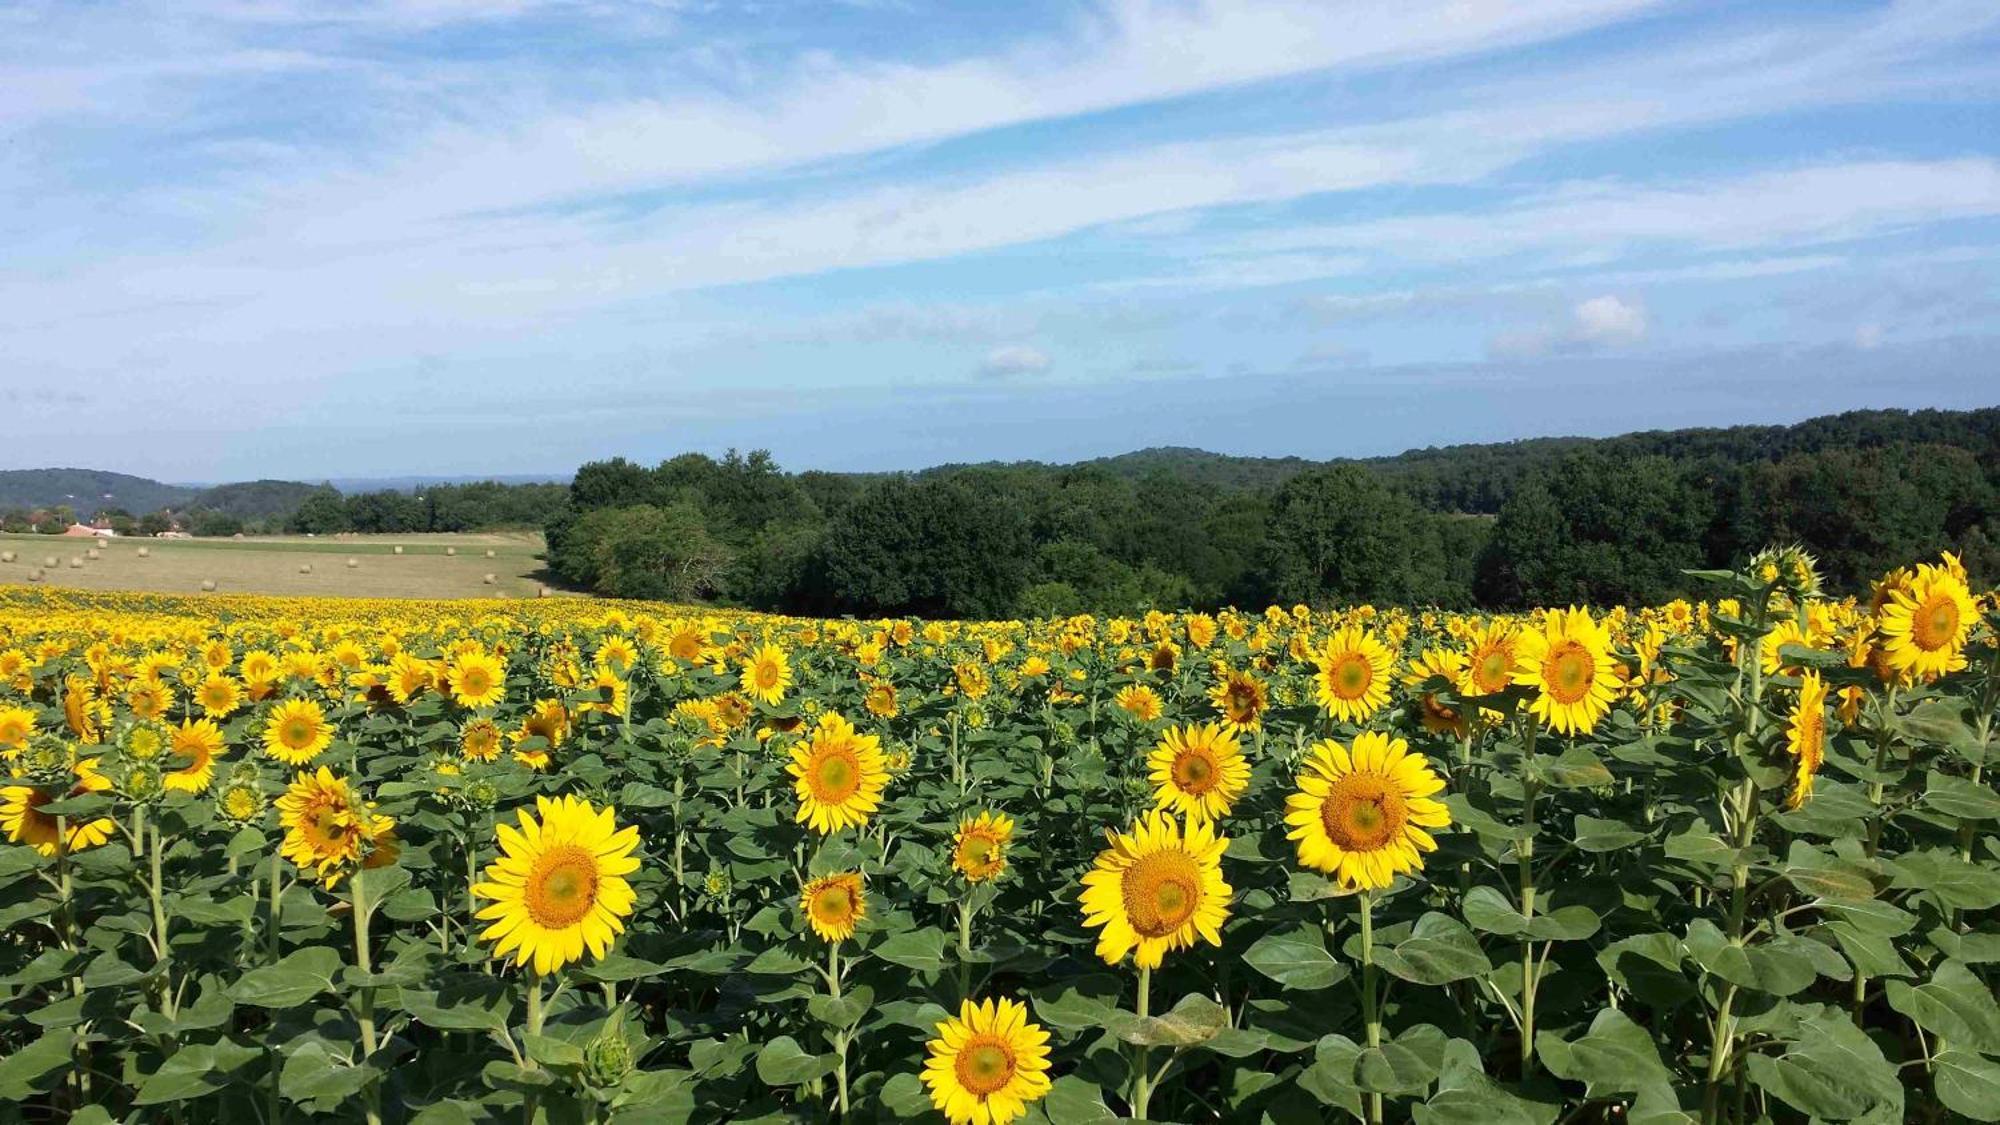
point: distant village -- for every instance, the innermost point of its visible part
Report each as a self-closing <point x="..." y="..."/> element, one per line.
<point x="107" y="521"/>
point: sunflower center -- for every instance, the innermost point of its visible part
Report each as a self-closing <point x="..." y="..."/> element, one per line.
<point x="1490" y="674"/>
<point x="767" y="676"/>
<point x="1350" y="676"/>
<point x="240" y="804"/>
<point x="1195" y="771"/>
<point x="1363" y="812"/>
<point x="976" y="851"/>
<point x="296" y="734"/>
<point x="1162" y="891"/>
<point x="561" y="887"/>
<point x="1568" y="670"/>
<point x="475" y="682"/>
<point x="1935" y="624"/>
<point x="984" y="1066"/>
<point x="833" y="905"/>
<point x="836" y="777"/>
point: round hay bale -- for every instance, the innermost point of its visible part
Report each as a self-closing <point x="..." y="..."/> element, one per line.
<point x="238" y="535"/>
<point x="93" y="554"/>
<point x="542" y="592"/>
<point x="399" y="550"/>
<point x="50" y="562"/>
<point x="451" y="550"/>
<point x="207" y="585"/>
<point x="75" y="562"/>
<point x="35" y="575"/>
<point x="145" y="552"/>
<point x="6" y="556"/>
<point x="305" y="568"/>
<point x="489" y="552"/>
<point x="488" y="579"/>
<point x="352" y="563"/>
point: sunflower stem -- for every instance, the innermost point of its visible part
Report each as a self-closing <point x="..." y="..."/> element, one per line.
<point x="1524" y="851"/>
<point x="274" y="938"/>
<point x="839" y="1037"/>
<point x="161" y="955"/>
<point x="365" y="1000"/>
<point x="1142" y="1085"/>
<point x="534" y="1027"/>
<point x="1370" y="1012"/>
<point x="965" y="912"/>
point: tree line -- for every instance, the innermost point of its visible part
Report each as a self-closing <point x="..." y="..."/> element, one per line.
<point x="1548" y="521"/>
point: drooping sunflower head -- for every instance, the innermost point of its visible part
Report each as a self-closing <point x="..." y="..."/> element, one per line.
<point x="479" y="739"/>
<point x="1156" y="889"/>
<point x="329" y="829"/>
<point x="838" y="774"/>
<point x="881" y="699"/>
<point x="1354" y="668"/>
<point x="1569" y="660"/>
<point x="558" y="888"/>
<point x="296" y="732"/>
<point x="1445" y="664"/>
<point x="1360" y="815"/>
<point x="834" y="905"/>
<point x="1198" y="771"/>
<point x="767" y="674"/>
<point x="1925" y="622"/>
<point x="195" y="745"/>
<point x="987" y="1064"/>
<point x="149" y="699"/>
<point x="979" y="849"/>
<point x="1805" y="737"/>
<point x="1241" y="698"/>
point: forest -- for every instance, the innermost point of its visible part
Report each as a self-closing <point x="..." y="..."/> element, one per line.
<point x="1537" y="522"/>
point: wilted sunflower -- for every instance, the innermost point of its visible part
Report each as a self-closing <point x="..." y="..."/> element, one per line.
<point x="1353" y="678"/>
<point x="1569" y="659"/>
<point x="297" y="732"/>
<point x="1925" y="621"/>
<point x="839" y="775"/>
<point x="195" y="745"/>
<point x="1155" y="890"/>
<point x="766" y="675"/>
<point x="979" y="849"/>
<point x="1361" y="816"/>
<point x="834" y="905"/>
<point x="1198" y="772"/>
<point x="329" y="829"/>
<point x="22" y="818"/>
<point x="1139" y="701"/>
<point x="477" y="679"/>
<point x="559" y="885"/>
<point x="1805" y="737"/>
<point x="987" y="1064"/>
<point x="1241" y="698"/>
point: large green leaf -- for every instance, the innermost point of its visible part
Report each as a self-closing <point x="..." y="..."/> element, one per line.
<point x="1439" y="950"/>
<point x="1954" y="1004"/>
<point x="1615" y="1056"/>
<point x="1297" y="958"/>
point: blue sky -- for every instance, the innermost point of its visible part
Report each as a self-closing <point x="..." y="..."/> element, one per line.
<point x="258" y="238"/>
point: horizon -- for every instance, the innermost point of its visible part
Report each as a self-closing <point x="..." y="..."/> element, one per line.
<point x="278" y="240"/>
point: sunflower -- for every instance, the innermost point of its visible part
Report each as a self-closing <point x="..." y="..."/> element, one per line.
<point x="1490" y="660"/>
<point x="17" y="726"/>
<point x="987" y="1063"/>
<point x="979" y="849"/>
<point x="198" y="742"/>
<point x="881" y="699"/>
<point x="1787" y="632"/>
<point x="329" y="829"/>
<point x="1139" y="701"/>
<point x="1925" y="622"/>
<point x="839" y="775"/>
<point x="1438" y="663"/>
<point x="85" y="714"/>
<point x="1805" y="737"/>
<point x="149" y="699"/>
<point x="1569" y="659"/>
<point x="1361" y="816"/>
<point x="1241" y="698"/>
<point x="218" y="695"/>
<point x="479" y="740"/>
<point x="409" y="677"/>
<point x="477" y="679"/>
<point x="834" y="905"/>
<point x="767" y="674"/>
<point x="297" y="732"/>
<point x="559" y="885"/>
<point x="1353" y="678"/>
<point x="22" y="818"/>
<point x="1156" y="889"/>
<point x="1198" y="771"/>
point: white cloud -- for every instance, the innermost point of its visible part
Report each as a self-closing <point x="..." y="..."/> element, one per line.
<point x="1014" y="359"/>
<point x="1595" y="324"/>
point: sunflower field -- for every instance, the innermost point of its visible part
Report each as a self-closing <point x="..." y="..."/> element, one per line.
<point x="1735" y="859"/>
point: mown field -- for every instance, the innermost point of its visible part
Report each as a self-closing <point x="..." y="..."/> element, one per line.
<point x="427" y="566"/>
<point x="1728" y="860"/>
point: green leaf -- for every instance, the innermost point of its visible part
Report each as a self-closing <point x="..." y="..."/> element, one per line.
<point x="1593" y="835"/>
<point x="922" y="950"/>
<point x="1615" y="1056"/>
<point x="195" y="1071"/>
<point x="844" y="1012"/>
<point x="1405" y="1065"/>
<point x="618" y="967"/>
<point x="1954" y="1004"/>
<point x="295" y="979"/>
<point x="783" y="1063"/>
<point x="1776" y="967"/>
<point x="1833" y="1071"/>
<point x="1074" y="1101"/>
<point x="315" y="1076"/>
<point x="1194" y="1020"/>
<point x="1439" y="950"/>
<point x="1330" y="1077"/>
<point x="1961" y="797"/>
<point x="1968" y="1084"/>
<point x="21" y="1071"/>
<point x="1577" y="768"/>
<point x="1297" y="958"/>
<point x="1649" y="967"/>
<point x="1080" y="1002"/>
<point x="1954" y="881"/>
<point x="1466" y="1096"/>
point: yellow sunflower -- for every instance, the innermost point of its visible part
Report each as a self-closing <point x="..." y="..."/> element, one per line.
<point x="479" y="740"/>
<point x="297" y="732"/>
<point x="1353" y="678"/>
<point x="1241" y="698"/>
<point x="409" y="677"/>
<point x="17" y="726"/>
<point x="987" y="1064"/>
<point x="839" y="775"/>
<point x="1360" y="816"/>
<point x="1569" y="659"/>
<point x="218" y="695"/>
<point x="1198" y="772"/>
<point x="979" y="849"/>
<point x="559" y="886"/>
<point x="1139" y="701"/>
<point x="1925" y="622"/>
<point x="149" y="699"/>
<point x="329" y="829"/>
<point x="1805" y="737"/>
<point x="477" y="680"/>
<point x="22" y="818"/>
<point x="881" y="699"/>
<point x="1490" y="660"/>
<point x="197" y="742"/>
<point x="767" y="674"/>
<point x="1156" y="889"/>
<point x="834" y="905"/>
<point x="1437" y="663"/>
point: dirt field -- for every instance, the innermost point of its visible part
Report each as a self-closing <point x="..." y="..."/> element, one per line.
<point x="429" y="566"/>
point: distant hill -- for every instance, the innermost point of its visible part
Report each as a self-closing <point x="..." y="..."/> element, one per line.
<point x="88" y="490"/>
<point x="252" y="500"/>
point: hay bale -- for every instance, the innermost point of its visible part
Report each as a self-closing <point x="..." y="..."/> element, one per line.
<point x="35" y="575"/>
<point x="488" y="579"/>
<point x="50" y="562"/>
<point x="75" y="562"/>
<point x="207" y="585"/>
<point x="489" y="552"/>
<point x="399" y="550"/>
<point x="305" y="568"/>
<point x="353" y="563"/>
<point x="542" y="592"/>
<point x="451" y="550"/>
<point x="6" y="556"/>
<point x="145" y="552"/>
<point x="93" y="554"/>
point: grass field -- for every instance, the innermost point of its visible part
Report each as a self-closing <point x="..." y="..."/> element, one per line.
<point x="429" y="566"/>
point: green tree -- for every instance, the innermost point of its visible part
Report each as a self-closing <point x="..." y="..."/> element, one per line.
<point x="1341" y="535"/>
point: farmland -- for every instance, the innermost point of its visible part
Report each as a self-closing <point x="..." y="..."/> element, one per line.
<point x="427" y="566"/>
<point x="1728" y="859"/>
